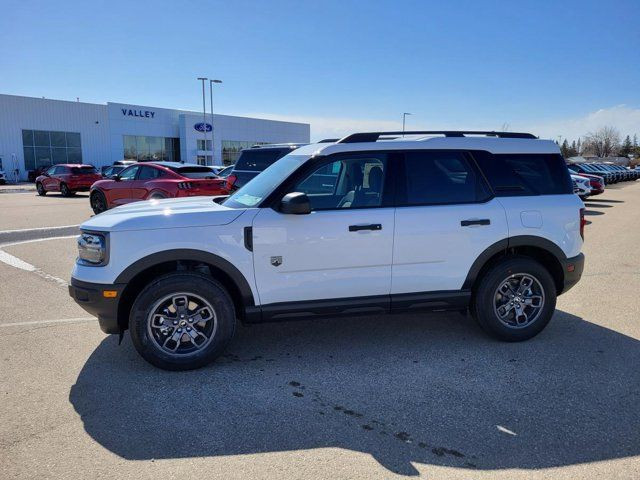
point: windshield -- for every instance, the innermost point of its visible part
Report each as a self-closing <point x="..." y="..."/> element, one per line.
<point x="258" y="188"/>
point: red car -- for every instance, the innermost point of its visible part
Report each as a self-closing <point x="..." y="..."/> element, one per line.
<point x="154" y="180"/>
<point x="596" y="182"/>
<point x="67" y="178"/>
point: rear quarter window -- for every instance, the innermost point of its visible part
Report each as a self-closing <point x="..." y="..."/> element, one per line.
<point x="258" y="159"/>
<point x="525" y="174"/>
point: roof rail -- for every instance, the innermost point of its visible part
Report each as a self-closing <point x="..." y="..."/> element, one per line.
<point x="329" y="140"/>
<point x="374" y="136"/>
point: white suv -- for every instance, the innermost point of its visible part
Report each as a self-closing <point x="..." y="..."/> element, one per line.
<point x="375" y="222"/>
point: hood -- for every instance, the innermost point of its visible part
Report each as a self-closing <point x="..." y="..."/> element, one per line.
<point x="165" y="213"/>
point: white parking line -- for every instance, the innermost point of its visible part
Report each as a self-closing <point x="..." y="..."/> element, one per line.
<point x="38" y="229"/>
<point x="27" y="267"/>
<point x="44" y="322"/>
<point x="20" y="242"/>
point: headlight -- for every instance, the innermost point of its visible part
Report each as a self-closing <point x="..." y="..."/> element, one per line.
<point x="92" y="249"/>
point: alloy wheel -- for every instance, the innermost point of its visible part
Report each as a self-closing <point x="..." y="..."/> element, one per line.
<point x="182" y="323"/>
<point x="518" y="300"/>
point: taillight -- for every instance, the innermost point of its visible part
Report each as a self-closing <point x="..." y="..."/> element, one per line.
<point x="583" y="222"/>
<point x="231" y="180"/>
<point x="185" y="185"/>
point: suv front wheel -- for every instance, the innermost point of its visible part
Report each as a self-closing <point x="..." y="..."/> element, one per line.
<point x="515" y="299"/>
<point x="182" y="321"/>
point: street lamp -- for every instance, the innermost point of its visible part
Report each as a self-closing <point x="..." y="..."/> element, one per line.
<point x="204" y="116"/>
<point x="211" y="82"/>
<point x="404" y="116"/>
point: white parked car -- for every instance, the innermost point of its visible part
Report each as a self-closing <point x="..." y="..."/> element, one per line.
<point x="581" y="186"/>
<point x="371" y="223"/>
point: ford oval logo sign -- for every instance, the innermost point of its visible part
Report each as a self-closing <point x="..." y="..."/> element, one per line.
<point x="203" y="127"/>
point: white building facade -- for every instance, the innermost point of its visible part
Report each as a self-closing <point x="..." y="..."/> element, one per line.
<point x="36" y="132"/>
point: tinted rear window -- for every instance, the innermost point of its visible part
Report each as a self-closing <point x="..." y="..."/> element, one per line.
<point x="258" y="159"/>
<point x="440" y="178"/>
<point x="83" y="170"/>
<point x="195" y="172"/>
<point x="525" y="174"/>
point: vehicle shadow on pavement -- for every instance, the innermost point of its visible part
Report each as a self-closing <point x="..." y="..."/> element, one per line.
<point x="431" y="389"/>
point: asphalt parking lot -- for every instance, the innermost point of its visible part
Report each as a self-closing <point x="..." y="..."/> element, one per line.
<point x="372" y="397"/>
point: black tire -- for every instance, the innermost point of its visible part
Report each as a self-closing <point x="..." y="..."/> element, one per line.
<point x="192" y="284"/>
<point x="40" y="188"/>
<point x="486" y="296"/>
<point x="64" y="190"/>
<point x="98" y="202"/>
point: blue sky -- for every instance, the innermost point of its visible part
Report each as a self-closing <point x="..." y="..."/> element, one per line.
<point x="554" y="68"/>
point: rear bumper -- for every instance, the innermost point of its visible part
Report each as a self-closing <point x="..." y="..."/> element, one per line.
<point x="572" y="268"/>
<point x="90" y="297"/>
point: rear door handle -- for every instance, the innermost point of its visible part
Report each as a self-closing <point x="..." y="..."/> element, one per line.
<point x="373" y="226"/>
<point x="481" y="221"/>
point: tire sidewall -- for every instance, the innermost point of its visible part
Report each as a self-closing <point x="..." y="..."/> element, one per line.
<point x="97" y="194"/>
<point x="194" y="283"/>
<point x="483" y="306"/>
<point x="64" y="190"/>
<point x="40" y="189"/>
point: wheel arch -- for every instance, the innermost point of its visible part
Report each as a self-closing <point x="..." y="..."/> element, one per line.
<point x="540" y="249"/>
<point x="137" y="276"/>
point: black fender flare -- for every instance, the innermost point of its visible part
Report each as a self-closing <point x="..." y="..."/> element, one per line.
<point x="504" y="245"/>
<point x="195" y="255"/>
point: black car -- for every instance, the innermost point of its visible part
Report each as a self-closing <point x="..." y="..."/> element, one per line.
<point x="254" y="160"/>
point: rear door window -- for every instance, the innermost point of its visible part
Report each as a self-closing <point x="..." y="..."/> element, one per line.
<point x="525" y="174"/>
<point x="258" y="159"/>
<point x="440" y="178"/>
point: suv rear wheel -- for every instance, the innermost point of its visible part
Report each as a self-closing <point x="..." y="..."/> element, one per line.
<point x="64" y="190"/>
<point x="515" y="299"/>
<point x="182" y="321"/>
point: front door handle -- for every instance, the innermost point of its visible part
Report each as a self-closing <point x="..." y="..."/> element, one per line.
<point x="482" y="221"/>
<point x="373" y="226"/>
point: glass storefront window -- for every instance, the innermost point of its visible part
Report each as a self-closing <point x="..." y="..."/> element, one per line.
<point x="231" y="149"/>
<point x="41" y="138"/>
<point x="144" y="149"/>
<point x="43" y="148"/>
<point x="58" y="139"/>
<point x="73" y="140"/>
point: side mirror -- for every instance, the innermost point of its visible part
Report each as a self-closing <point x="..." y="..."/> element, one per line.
<point x="295" y="203"/>
<point x="115" y="177"/>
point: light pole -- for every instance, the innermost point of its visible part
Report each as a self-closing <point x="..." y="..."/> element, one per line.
<point x="404" y="116"/>
<point x="211" y="82"/>
<point x="204" y="117"/>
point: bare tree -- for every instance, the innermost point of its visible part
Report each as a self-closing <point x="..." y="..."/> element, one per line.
<point x="604" y="142"/>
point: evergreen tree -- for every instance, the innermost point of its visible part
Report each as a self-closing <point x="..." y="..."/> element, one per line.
<point x="573" y="150"/>
<point x="627" y="147"/>
<point x="564" y="149"/>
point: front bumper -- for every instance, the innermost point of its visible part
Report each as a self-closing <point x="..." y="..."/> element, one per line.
<point x="90" y="297"/>
<point x="572" y="269"/>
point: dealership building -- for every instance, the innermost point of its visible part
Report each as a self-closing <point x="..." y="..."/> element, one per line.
<point x="37" y="132"/>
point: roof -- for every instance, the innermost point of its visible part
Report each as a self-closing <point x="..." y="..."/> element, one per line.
<point x="173" y="164"/>
<point x="73" y="165"/>
<point x="277" y="145"/>
<point x="438" y="142"/>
